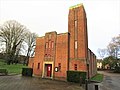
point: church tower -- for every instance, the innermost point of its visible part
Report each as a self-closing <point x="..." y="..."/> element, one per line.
<point x="77" y="28"/>
<point x="55" y="54"/>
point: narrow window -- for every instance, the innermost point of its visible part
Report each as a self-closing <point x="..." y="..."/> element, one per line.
<point x="52" y="44"/>
<point x="46" y="44"/>
<point x="33" y="65"/>
<point x="46" y="55"/>
<point x="75" y="24"/>
<point x="49" y="44"/>
<point x="75" y="13"/>
<point x="75" y="44"/>
<point x="75" y="66"/>
<point x="59" y="66"/>
<point x="38" y="66"/>
<point x="76" y="29"/>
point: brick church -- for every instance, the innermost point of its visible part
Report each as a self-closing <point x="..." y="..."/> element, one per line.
<point x="55" y="54"/>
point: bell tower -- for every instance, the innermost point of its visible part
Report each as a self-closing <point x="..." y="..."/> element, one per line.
<point x="77" y="27"/>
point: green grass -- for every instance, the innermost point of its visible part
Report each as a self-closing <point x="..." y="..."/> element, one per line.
<point x="13" y="68"/>
<point x="98" y="77"/>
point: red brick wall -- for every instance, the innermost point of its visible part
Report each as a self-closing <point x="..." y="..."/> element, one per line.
<point x="71" y="31"/>
<point x="50" y="46"/>
<point x="39" y="56"/>
<point x="79" y="15"/>
<point x="95" y="65"/>
<point x="92" y="63"/>
<point x="81" y="65"/>
<point x="89" y="61"/>
<point x="62" y="54"/>
<point x="82" y="32"/>
<point x="64" y="50"/>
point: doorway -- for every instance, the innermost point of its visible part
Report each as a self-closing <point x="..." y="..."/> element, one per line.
<point x="48" y="70"/>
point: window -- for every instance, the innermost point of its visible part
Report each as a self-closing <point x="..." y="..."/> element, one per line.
<point x="52" y="44"/>
<point x="75" y="44"/>
<point x="49" y="44"/>
<point x="46" y="44"/>
<point x="59" y="66"/>
<point x="38" y="66"/>
<point x="75" y="66"/>
<point x="46" y="55"/>
<point x="75" y="24"/>
<point x="75" y="13"/>
<point x="33" y="65"/>
<point x="76" y="29"/>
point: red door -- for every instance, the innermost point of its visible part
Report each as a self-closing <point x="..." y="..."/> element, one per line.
<point x="49" y="70"/>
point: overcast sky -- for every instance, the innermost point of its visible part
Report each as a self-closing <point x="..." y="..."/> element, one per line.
<point x="41" y="16"/>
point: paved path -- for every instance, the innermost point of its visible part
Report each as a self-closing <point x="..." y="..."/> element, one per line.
<point x="27" y="83"/>
<point x="111" y="81"/>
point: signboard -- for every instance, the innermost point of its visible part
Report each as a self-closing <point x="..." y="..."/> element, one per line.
<point x="56" y="69"/>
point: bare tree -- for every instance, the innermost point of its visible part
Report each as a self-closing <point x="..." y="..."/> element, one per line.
<point x="114" y="46"/>
<point x="12" y="34"/>
<point x="111" y="49"/>
<point x="31" y="42"/>
<point x="17" y="53"/>
<point x="116" y="40"/>
<point x="101" y="52"/>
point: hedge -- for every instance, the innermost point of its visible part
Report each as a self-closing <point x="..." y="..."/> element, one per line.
<point x="27" y="72"/>
<point x="3" y="72"/>
<point x="74" y="76"/>
<point x="117" y="69"/>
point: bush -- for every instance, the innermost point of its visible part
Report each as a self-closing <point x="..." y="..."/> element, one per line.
<point x="117" y="69"/>
<point x="27" y="72"/>
<point x="74" y="76"/>
<point x="3" y="71"/>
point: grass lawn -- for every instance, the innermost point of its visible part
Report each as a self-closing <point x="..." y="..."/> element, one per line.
<point x="13" y="68"/>
<point x="98" y="77"/>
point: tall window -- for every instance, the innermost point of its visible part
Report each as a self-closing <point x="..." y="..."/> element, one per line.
<point x="46" y="44"/>
<point x="33" y="65"/>
<point x="38" y="67"/>
<point x="49" y="44"/>
<point x="75" y="22"/>
<point x="75" y="44"/>
<point x="75" y="66"/>
<point x="76" y="12"/>
<point x="76" y="37"/>
<point x="52" y="44"/>
<point x="76" y="29"/>
<point x="59" y="66"/>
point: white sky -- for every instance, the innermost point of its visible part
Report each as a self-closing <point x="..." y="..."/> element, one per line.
<point x="41" y="16"/>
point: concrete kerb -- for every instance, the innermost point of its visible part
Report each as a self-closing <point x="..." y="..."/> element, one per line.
<point x="94" y="85"/>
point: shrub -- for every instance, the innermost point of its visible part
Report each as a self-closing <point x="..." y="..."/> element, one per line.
<point x="117" y="69"/>
<point x="74" y="76"/>
<point x="27" y="72"/>
<point x="3" y="71"/>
